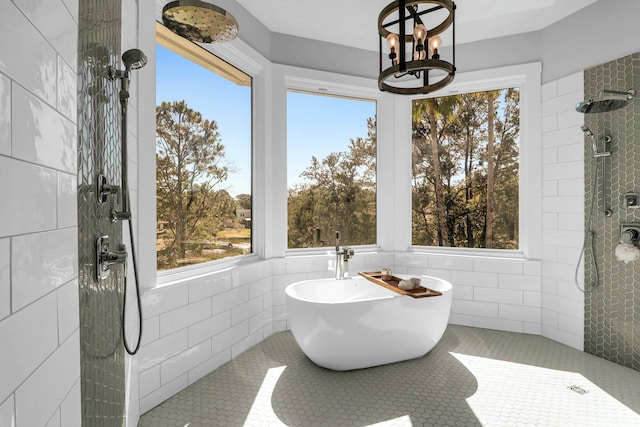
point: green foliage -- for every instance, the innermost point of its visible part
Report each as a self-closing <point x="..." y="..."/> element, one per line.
<point x="461" y="138"/>
<point x="244" y="200"/>
<point x="339" y="194"/>
<point x="190" y="170"/>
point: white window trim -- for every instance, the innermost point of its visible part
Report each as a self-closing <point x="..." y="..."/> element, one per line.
<point x="325" y="83"/>
<point x="528" y="78"/>
<point x="245" y="58"/>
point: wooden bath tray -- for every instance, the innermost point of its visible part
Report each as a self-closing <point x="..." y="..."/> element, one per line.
<point x="392" y="284"/>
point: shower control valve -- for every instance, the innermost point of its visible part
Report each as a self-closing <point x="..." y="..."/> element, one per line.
<point x="104" y="189"/>
<point x="105" y="258"/>
<point x="632" y="200"/>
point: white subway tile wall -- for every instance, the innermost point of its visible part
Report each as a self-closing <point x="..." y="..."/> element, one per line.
<point x="563" y="209"/>
<point x="492" y="293"/>
<point x="5" y="280"/>
<point x="53" y="144"/>
<point x="5" y="115"/>
<point x="194" y="326"/>
<point x="39" y="361"/>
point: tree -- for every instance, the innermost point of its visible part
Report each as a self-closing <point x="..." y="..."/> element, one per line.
<point x="339" y="194"/>
<point x="429" y="135"/>
<point x="507" y="171"/>
<point x="488" y="236"/>
<point x="244" y="200"/>
<point x="465" y="166"/>
<point x="190" y="165"/>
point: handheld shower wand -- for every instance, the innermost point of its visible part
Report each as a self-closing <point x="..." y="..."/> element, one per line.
<point x="600" y="155"/>
<point x="132" y="59"/>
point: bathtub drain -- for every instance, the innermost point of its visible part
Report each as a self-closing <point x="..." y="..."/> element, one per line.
<point x="578" y="389"/>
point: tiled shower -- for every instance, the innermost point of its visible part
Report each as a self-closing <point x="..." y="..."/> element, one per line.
<point x="612" y="308"/>
<point x="102" y="354"/>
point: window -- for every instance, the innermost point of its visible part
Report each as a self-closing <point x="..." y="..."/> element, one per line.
<point x="331" y="170"/>
<point x="466" y="169"/>
<point x="203" y="155"/>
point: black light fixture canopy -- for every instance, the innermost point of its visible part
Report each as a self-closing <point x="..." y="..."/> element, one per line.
<point x="414" y="47"/>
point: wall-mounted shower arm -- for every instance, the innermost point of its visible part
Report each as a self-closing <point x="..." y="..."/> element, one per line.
<point x="618" y="95"/>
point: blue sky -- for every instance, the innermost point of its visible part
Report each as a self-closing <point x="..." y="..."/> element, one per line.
<point x="217" y="99"/>
<point x="319" y="125"/>
<point x="316" y="125"/>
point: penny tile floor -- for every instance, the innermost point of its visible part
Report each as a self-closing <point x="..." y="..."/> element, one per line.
<point x="473" y="377"/>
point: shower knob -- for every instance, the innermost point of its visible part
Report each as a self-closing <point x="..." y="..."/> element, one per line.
<point x="629" y="236"/>
<point x="632" y="200"/>
<point x="630" y="233"/>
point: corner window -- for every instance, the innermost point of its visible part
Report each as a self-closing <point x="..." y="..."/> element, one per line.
<point x="203" y="155"/>
<point x="466" y="170"/>
<point x="331" y="170"/>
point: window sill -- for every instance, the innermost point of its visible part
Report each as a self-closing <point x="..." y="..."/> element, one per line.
<point x="505" y="254"/>
<point x="330" y="250"/>
<point x="183" y="274"/>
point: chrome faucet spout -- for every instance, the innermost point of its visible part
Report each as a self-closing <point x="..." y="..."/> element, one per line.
<point x="339" y="265"/>
<point x="342" y="259"/>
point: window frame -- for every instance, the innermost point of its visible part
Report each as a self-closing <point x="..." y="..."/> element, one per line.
<point x="249" y="62"/>
<point x="328" y="84"/>
<point x="324" y="93"/>
<point x="527" y="77"/>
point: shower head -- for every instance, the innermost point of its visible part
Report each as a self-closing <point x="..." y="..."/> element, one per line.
<point x="606" y="139"/>
<point x="134" y="59"/>
<point x="199" y="21"/>
<point x="600" y="106"/>
<point x="586" y="130"/>
<point x="610" y="100"/>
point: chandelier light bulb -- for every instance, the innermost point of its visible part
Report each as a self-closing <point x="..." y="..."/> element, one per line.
<point x="419" y="36"/>
<point x="434" y="44"/>
<point x="420" y="33"/>
<point x="393" y="41"/>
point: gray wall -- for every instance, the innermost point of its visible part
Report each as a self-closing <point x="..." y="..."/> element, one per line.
<point x="102" y="354"/>
<point x="601" y="32"/>
<point x="612" y="304"/>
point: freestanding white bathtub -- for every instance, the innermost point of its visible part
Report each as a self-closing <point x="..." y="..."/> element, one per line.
<point x="353" y="323"/>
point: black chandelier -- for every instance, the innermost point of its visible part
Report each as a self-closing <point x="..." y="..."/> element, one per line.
<point x="412" y="31"/>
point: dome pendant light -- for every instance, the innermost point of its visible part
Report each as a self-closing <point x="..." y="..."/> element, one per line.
<point x="411" y="30"/>
<point x="199" y="21"/>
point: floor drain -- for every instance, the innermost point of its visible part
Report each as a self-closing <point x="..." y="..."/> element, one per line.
<point x="578" y="389"/>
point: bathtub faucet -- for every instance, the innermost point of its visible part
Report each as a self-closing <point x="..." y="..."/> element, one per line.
<point x="342" y="259"/>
